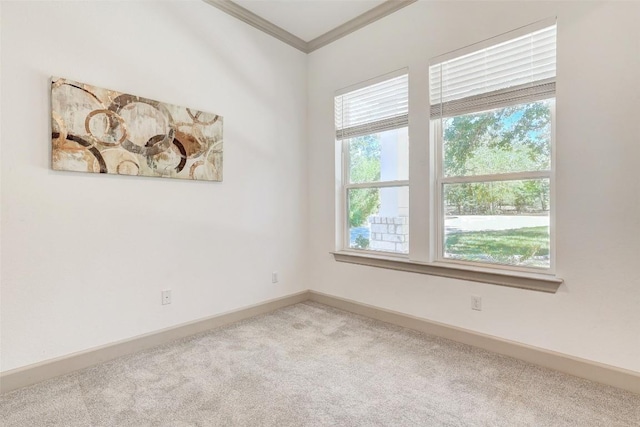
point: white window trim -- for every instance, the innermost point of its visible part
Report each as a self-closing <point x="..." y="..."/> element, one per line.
<point x="422" y="170"/>
<point x="422" y="239"/>
<point x="438" y="211"/>
<point x="343" y="179"/>
<point x="346" y="186"/>
<point x="344" y="214"/>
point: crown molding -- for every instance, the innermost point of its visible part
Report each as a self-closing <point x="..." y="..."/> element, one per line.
<point x="261" y="24"/>
<point x="245" y="15"/>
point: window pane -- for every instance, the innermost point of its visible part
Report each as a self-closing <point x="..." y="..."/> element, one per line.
<point x="505" y="222"/>
<point x="382" y="156"/>
<point x="379" y="219"/>
<point x="511" y="139"/>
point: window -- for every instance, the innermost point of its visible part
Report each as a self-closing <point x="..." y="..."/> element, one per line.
<point x="371" y="129"/>
<point x="482" y="172"/>
<point x="492" y="115"/>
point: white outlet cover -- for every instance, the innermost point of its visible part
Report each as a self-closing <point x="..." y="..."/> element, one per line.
<point x="166" y="297"/>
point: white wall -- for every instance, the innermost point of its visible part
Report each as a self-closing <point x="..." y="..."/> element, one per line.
<point x="596" y="313"/>
<point x="85" y="256"/>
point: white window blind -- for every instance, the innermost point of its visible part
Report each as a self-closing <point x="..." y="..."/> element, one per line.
<point x="519" y="70"/>
<point x="371" y="109"/>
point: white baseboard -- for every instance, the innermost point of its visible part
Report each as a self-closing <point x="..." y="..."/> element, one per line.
<point x="583" y="368"/>
<point x="31" y="374"/>
<point x="594" y="371"/>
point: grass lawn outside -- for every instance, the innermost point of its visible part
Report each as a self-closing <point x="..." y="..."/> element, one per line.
<point x="527" y="247"/>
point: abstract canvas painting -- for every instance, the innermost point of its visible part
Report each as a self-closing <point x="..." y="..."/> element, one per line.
<point x="104" y="131"/>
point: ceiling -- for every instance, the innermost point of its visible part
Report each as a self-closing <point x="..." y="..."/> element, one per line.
<point x="309" y="25"/>
<point x="308" y="19"/>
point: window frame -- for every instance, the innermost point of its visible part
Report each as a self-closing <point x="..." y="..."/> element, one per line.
<point x="490" y="99"/>
<point x="347" y="185"/>
<point x="343" y="240"/>
<point x="424" y="213"/>
<point x="437" y="138"/>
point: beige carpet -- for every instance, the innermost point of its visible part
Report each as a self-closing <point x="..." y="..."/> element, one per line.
<point x="311" y="365"/>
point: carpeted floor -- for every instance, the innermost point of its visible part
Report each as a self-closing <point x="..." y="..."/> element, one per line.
<point x="312" y="365"/>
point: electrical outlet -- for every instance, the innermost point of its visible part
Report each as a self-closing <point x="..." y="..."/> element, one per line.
<point x="476" y="303"/>
<point x="166" y="297"/>
<point x="274" y="277"/>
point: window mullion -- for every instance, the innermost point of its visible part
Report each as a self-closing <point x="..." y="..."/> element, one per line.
<point x="436" y="244"/>
<point x="513" y="176"/>
<point x="377" y="184"/>
<point x="346" y="178"/>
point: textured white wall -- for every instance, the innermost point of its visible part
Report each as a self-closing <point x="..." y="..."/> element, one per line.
<point x="85" y="256"/>
<point x="596" y="314"/>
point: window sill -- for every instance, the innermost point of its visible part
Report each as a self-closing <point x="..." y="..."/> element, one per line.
<point x="534" y="282"/>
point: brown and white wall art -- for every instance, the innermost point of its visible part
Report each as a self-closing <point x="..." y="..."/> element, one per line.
<point x="104" y="131"/>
